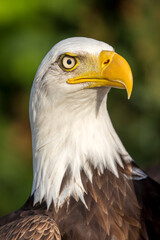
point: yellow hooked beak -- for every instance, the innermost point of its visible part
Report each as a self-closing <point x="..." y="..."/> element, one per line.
<point x="113" y="71"/>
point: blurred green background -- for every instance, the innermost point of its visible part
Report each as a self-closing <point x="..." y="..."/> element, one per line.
<point x="28" y="29"/>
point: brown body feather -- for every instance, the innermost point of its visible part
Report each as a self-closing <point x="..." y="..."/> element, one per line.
<point x="38" y="227"/>
<point x="118" y="209"/>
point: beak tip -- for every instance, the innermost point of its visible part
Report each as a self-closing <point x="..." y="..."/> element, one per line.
<point x="129" y="95"/>
<point x="129" y="85"/>
<point x="129" y="92"/>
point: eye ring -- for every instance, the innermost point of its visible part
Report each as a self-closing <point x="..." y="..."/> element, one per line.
<point x="68" y="63"/>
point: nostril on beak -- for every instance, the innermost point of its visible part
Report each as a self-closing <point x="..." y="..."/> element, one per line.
<point x="107" y="61"/>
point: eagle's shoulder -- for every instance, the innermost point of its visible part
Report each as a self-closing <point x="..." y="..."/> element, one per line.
<point x="122" y="207"/>
<point x="26" y="225"/>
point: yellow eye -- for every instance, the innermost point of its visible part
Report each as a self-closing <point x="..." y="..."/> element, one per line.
<point x="68" y="62"/>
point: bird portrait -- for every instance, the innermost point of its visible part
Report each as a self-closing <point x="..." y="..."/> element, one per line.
<point x="86" y="186"/>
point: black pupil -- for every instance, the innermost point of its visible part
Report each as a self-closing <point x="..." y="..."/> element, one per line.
<point x="69" y="61"/>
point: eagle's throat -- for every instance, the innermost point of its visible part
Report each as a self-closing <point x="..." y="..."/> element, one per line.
<point x="72" y="138"/>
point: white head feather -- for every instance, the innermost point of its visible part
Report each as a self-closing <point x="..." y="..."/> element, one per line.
<point x="70" y="126"/>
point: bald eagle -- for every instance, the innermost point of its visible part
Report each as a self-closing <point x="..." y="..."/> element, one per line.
<point x="85" y="185"/>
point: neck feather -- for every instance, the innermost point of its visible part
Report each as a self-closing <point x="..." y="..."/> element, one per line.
<point x="70" y="136"/>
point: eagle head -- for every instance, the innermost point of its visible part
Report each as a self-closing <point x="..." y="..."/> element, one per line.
<point x="71" y="129"/>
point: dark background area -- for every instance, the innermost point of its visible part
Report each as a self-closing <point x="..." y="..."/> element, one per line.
<point x="28" y="29"/>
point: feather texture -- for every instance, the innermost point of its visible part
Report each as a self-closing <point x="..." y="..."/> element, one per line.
<point x="111" y="213"/>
